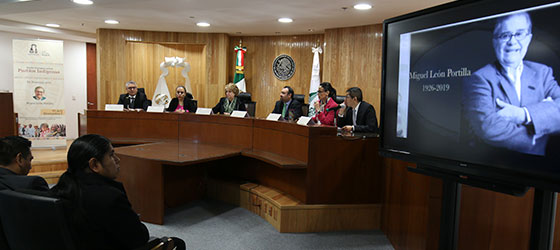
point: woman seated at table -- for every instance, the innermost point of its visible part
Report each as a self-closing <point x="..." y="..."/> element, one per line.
<point x="101" y="213"/>
<point x="228" y="104"/>
<point x="181" y="104"/>
<point x="324" y="115"/>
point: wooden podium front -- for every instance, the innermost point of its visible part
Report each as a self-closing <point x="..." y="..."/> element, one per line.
<point x="8" y="125"/>
<point x="169" y="157"/>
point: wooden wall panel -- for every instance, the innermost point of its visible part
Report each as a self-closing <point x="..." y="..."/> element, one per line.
<point x="114" y="62"/>
<point x="261" y="51"/>
<point x="8" y="125"/>
<point x="488" y="220"/>
<point x="353" y="58"/>
<point x="144" y="61"/>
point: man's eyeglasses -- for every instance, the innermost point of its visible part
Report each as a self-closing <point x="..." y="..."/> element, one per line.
<point x="131" y="88"/>
<point x="506" y="36"/>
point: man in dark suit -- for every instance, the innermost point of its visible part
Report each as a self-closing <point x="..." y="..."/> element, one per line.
<point x="15" y="163"/>
<point x="287" y="105"/>
<point x="133" y="99"/>
<point x="512" y="103"/>
<point x="357" y="115"/>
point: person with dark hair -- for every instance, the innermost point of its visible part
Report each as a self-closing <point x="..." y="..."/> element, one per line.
<point x="101" y="213"/>
<point x="133" y="99"/>
<point x="182" y="102"/>
<point x="15" y="163"/>
<point x="287" y="106"/>
<point x="229" y="103"/>
<point x="325" y="105"/>
<point x="357" y="115"/>
<point x="512" y="103"/>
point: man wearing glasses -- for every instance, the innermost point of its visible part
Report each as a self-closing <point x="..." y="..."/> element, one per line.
<point x="133" y="100"/>
<point x="356" y="115"/>
<point x="512" y="103"/>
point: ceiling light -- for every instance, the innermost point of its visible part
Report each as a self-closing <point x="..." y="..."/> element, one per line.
<point x="112" y="21"/>
<point x="285" y="20"/>
<point x="84" y="2"/>
<point x="202" y="24"/>
<point x="53" y="25"/>
<point x="362" y="6"/>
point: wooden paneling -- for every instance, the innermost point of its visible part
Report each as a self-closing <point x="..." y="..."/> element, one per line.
<point x="114" y="61"/>
<point x="261" y="51"/>
<point x="144" y="59"/>
<point x="488" y="220"/>
<point x="406" y="211"/>
<point x="91" y="58"/>
<point x="8" y="124"/>
<point x="143" y="182"/>
<point x="353" y="58"/>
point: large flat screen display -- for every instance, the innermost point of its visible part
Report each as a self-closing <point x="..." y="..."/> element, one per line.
<point x="473" y="86"/>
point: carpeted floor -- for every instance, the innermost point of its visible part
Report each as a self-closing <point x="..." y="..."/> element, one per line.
<point x="214" y="225"/>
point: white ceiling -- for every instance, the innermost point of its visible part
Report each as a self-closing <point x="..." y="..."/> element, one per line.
<point x="235" y="17"/>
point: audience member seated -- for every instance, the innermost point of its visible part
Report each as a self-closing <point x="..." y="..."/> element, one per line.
<point x="287" y="106"/>
<point x="228" y="104"/>
<point x="101" y="213"/>
<point x="15" y="163"/>
<point x="325" y="106"/>
<point x="133" y="99"/>
<point x="357" y="115"/>
<point x="180" y="104"/>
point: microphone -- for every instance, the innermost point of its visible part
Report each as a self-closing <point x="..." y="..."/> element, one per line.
<point x="337" y="107"/>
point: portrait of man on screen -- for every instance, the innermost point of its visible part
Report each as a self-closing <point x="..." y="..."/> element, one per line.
<point x="512" y="103"/>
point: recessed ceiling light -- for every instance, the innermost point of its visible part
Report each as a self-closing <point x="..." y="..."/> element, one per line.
<point x="202" y="24"/>
<point x="362" y="6"/>
<point x="84" y="2"/>
<point x="112" y="21"/>
<point x="285" y="20"/>
<point x="54" y="25"/>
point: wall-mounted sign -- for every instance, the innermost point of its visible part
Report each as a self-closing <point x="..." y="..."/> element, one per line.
<point x="283" y="67"/>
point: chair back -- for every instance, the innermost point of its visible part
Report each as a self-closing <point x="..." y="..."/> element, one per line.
<point x="339" y="99"/>
<point x="305" y="109"/>
<point x="141" y="90"/>
<point x="300" y="98"/>
<point x="250" y="106"/>
<point x="34" y="222"/>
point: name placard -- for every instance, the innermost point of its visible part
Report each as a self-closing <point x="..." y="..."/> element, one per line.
<point x="273" y="117"/>
<point x="156" y="109"/>
<point x="240" y="114"/>
<point x="304" y="120"/>
<point x="203" y="111"/>
<point x="114" y="107"/>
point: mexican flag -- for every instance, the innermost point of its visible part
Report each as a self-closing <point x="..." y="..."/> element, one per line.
<point x="315" y="81"/>
<point x="239" y="78"/>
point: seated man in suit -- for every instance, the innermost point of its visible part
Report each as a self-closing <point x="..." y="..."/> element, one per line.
<point x="287" y="106"/>
<point x="15" y="163"/>
<point x="133" y="99"/>
<point x="357" y="115"/>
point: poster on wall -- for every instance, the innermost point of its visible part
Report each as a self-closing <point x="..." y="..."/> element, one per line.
<point x="39" y="91"/>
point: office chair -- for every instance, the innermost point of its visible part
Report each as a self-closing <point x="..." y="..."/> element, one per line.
<point x="250" y="106"/>
<point x="32" y="220"/>
<point x="339" y="99"/>
<point x="304" y="106"/>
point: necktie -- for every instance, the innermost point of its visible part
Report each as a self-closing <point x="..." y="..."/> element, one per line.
<point x="354" y="116"/>
<point x="132" y="102"/>
<point x="284" y="110"/>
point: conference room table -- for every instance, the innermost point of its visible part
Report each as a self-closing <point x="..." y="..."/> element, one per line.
<point x="167" y="158"/>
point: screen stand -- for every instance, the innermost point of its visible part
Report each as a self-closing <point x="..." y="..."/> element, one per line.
<point x="450" y="210"/>
<point x="544" y="206"/>
<point x="542" y="225"/>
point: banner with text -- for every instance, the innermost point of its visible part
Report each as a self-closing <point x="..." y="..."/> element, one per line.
<point x="39" y="91"/>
